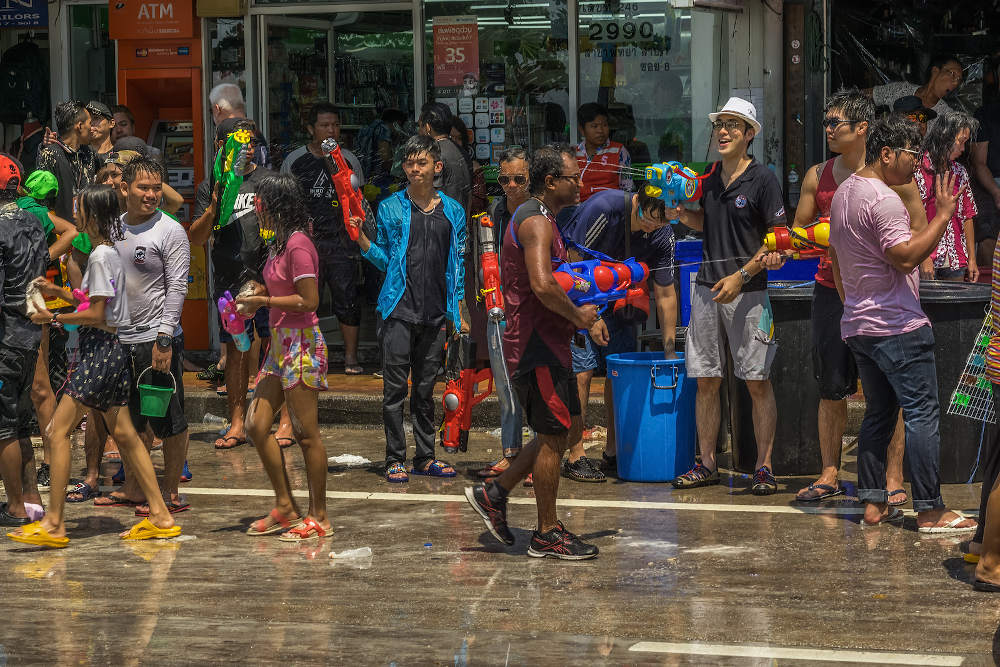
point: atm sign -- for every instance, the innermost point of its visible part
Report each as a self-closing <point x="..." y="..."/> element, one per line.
<point x="138" y="19"/>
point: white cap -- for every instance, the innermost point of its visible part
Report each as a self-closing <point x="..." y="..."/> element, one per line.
<point x="741" y="108"/>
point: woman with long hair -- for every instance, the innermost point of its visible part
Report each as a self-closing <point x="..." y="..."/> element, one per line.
<point x="296" y="364"/>
<point x="944" y="146"/>
<point x="101" y="380"/>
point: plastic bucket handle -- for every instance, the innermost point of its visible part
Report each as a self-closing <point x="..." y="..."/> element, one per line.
<point x="652" y="377"/>
<point x="149" y="368"/>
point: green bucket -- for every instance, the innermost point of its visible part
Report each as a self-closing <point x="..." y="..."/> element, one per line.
<point x="154" y="400"/>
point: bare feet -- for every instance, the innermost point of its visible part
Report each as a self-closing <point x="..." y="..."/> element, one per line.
<point x="876" y="513"/>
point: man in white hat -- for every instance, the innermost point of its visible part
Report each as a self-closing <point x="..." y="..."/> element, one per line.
<point x="741" y="200"/>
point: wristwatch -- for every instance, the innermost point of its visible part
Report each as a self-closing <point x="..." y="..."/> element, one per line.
<point x="163" y="340"/>
<point x="746" y="275"/>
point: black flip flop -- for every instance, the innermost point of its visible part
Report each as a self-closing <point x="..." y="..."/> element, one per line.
<point x="901" y="502"/>
<point x="985" y="586"/>
<point x="237" y="441"/>
<point x="828" y="492"/>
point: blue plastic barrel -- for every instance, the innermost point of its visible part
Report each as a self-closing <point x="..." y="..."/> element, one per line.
<point x="687" y="257"/>
<point x="654" y="416"/>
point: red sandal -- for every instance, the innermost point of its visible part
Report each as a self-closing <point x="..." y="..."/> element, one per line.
<point x="281" y="522"/>
<point x="310" y="529"/>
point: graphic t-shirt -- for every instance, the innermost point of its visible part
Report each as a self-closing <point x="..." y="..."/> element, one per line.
<point x="238" y="252"/>
<point x="105" y="276"/>
<point x="297" y="262"/>
<point x="156" y="256"/>
<point x="321" y="197"/>
<point x="866" y="219"/>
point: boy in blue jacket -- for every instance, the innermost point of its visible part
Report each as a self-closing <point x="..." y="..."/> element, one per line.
<point x="419" y="244"/>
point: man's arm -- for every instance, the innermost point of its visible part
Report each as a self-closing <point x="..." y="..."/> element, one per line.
<point x="66" y="232"/>
<point x="806" y="211"/>
<point x="666" y="311"/>
<point x="980" y="150"/>
<point x="909" y="254"/>
<point x="837" y="280"/>
<point x="910" y="194"/>
<point x="201" y="229"/>
<point x="172" y="200"/>
<point x="535" y="236"/>
<point x="176" y="266"/>
<point x="692" y="219"/>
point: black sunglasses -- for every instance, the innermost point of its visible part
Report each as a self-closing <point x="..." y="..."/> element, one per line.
<point x="519" y="179"/>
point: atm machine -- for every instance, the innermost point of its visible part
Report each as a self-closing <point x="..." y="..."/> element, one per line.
<point x="160" y="81"/>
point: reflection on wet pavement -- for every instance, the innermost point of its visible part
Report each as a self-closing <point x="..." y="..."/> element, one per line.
<point x="710" y="576"/>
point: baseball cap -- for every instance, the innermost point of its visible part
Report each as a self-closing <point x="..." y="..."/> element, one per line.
<point x="912" y="104"/>
<point x="10" y="172"/>
<point x="740" y="108"/>
<point x="41" y="184"/>
<point x="132" y="144"/>
<point x="123" y="157"/>
<point x="99" y="109"/>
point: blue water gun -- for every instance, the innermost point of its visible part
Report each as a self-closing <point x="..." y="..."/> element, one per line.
<point x="600" y="282"/>
<point x="673" y="183"/>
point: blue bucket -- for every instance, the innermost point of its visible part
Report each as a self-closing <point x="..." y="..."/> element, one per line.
<point x="654" y="416"/>
<point x="687" y="256"/>
<point x="795" y="269"/>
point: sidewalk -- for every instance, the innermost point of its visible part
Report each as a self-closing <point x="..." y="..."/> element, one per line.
<point x="357" y="400"/>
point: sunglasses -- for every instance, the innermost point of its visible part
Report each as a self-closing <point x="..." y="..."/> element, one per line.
<point x="573" y="177"/>
<point x="831" y="123"/>
<point x="504" y="179"/>
<point x="730" y="125"/>
<point x="908" y="150"/>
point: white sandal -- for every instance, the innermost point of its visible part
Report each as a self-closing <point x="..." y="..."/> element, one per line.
<point x="950" y="527"/>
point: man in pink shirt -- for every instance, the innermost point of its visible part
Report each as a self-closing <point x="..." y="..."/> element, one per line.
<point x="875" y="258"/>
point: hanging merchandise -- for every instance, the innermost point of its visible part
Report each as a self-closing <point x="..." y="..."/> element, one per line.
<point x="24" y="83"/>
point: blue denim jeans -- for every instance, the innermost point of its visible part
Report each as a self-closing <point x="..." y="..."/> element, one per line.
<point x="898" y="371"/>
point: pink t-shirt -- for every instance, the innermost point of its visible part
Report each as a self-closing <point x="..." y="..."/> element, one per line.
<point x="866" y="219"/>
<point x="299" y="260"/>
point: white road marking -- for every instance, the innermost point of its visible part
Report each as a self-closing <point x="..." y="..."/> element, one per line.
<point x="775" y="652"/>
<point x="563" y="502"/>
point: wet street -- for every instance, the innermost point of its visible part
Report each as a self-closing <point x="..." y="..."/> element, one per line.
<point x="711" y="576"/>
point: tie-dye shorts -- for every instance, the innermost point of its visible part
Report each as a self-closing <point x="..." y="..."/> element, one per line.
<point x="297" y="355"/>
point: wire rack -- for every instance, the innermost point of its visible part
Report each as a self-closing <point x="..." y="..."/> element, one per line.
<point x="973" y="397"/>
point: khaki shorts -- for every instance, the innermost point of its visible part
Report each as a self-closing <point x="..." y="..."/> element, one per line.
<point x="745" y="324"/>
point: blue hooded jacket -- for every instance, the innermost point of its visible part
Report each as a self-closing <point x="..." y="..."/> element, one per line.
<point x="388" y="252"/>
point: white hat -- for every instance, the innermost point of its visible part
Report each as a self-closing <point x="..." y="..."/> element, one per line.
<point x="741" y="108"/>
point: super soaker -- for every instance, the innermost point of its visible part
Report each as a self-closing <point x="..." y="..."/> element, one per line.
<point x="673" y="183"/>
<point x="230" y="163"/>
<point x="233" y="321"/>
<point x="599" y="282"/>
<point x="811" y="241"/>
<point x="346" y="184"/>
<point x="84" y="304"/>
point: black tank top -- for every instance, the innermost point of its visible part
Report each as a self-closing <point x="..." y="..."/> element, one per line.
<point x="535" y="335"/>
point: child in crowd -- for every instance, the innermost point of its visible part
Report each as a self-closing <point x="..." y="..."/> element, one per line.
<point x="101" y="380"/>
<point x="296" y="364"/>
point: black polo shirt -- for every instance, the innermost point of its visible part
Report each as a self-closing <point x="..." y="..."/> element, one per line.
<point x="736" y="220"/>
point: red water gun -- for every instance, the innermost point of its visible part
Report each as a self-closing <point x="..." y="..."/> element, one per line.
<point x="344" y="182"/>
<point x="489" y="260"/>
<point x="461" y="382"/>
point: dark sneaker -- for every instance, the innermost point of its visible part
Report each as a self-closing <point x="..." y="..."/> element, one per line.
<point x="560" y="543"/>
<point x="494" y="514"/>
<point x="697" y="476"/>
<point x="764" y="483"/>
<point x="582" y="470"/>
<point x="43" y="477"/>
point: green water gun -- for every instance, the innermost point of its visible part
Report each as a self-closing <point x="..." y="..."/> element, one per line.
<point x="230" y="163"/>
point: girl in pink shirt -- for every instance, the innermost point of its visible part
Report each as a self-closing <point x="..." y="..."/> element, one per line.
<point x="955" y="256"/>
<point x="296" y="364"/>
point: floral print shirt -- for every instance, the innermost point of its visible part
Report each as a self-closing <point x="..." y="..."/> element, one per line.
<point x="951" y="251"/>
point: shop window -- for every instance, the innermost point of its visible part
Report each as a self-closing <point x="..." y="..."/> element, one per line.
<point x="503" y="68"/>
<point x="92" y="55"/>
<point x="635" y="60"/>
<point x="228" y="57"/>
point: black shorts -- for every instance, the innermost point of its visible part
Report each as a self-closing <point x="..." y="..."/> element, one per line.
<point x="103" y="377"/>
<point x="833" y="363"/>
<point x="549" y="397"/>
<point x="141" y="358"/>
<point x="338" y="270"/>
<point x="17" y="372"/>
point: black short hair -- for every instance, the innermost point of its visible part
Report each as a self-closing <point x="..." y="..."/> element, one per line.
<point x="895" y="131"/>
<point x="939" y="60"/>
<point x="142" y="165"/>
<point x="393" y="116"/>
<point x="653" y="206"/>
<point x="132" y="143"/>
<point x="121" y="108"/>
<point x="855" y="105"/>
<point x="322" y="107"/>
<point x="420" y="143"/>
<point x="514" y="153"/>
<point x="458" y="124"/>
<point x="589" y="112"/>
<point x="546" y="161"/>
<point x="68" y="114"/>
<point x="101" y="203"/>
<point x="437" y="116"/>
